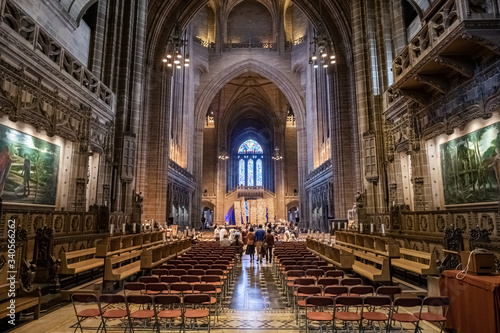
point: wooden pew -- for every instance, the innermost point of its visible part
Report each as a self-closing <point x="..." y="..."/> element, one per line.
<point x="338" y="256"/>
<point x="412" y="262"/>
<point x="85" y="264"/>
<point x="24" y="300"/>
<point x="377" y="269"/>
<point x="116" y="270"/>
<point x="157" y="255"/>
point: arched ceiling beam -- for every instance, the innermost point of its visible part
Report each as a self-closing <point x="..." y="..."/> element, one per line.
<point x="271" y="73"/>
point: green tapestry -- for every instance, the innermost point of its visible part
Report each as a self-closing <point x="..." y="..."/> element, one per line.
<point x="28" y="168"/>
<point x="471" y="167"/>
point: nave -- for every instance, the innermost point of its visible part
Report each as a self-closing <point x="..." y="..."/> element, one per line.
<point x="254" y="301"/>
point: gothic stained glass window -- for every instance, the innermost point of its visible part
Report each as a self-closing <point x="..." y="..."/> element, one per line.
<point x="250" y="181"/>
<point x="259" y="173"/>
<point x="241" y="181"/>
<point x="250" y="147"/>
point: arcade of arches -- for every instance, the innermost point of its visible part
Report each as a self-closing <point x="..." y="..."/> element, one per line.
<point x="100" y="129"/>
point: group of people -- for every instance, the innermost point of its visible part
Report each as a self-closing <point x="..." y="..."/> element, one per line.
<point x="250" y="240"/>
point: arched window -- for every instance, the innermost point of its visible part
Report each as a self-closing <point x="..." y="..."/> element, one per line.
<point x="250" y="180"/>
<point x="250" y="155"/>
<point x="241" y="181"/>
<point x="259" y="173"/>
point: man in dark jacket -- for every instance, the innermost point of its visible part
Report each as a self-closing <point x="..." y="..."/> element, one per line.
<point x="270" y="245"/>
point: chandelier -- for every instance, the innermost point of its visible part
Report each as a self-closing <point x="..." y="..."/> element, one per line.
<point x="320" y="50"/>
<point x="277" y="156"/>
<point x="176" y="55"/>
<point x="223" y="154"/>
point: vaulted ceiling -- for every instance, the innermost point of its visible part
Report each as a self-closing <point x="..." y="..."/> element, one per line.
<point x="162" y="15"/>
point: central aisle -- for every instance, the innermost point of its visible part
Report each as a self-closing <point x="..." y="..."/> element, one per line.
<point x="255" y="302"/>
<point x="255" y="288"/>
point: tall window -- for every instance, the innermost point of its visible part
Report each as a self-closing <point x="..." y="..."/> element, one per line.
<point x="259" y="173"/>
<point x="250" y="175"/>
<point x="241" y="181"/>
<point x="250" y="155"/>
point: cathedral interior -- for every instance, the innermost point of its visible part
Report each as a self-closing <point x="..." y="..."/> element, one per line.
<point x="379" y="117"/>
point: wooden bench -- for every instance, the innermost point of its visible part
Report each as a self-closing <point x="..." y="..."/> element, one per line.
<point x="338" y="256"/>
<point x="114" y="273"/>
<point x="378" y="269"/>
<point x="408" y="263"/>
<point x="24" y="300"/>
<point x="86" y="264"/>
<point x="157" y="255"/>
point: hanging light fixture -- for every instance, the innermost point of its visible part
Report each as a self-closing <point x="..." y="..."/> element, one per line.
<point x="223" y="154"/>
<point x="320" y="48"/>
<point x="176" y="55"/>
<point x="277" y="156"/>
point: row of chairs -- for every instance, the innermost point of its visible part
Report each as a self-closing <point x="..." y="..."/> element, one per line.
<point x="144" y="308"/>
<point x="355" y="310"/>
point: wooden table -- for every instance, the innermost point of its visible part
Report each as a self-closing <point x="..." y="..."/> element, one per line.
<point x="475" y="302"/>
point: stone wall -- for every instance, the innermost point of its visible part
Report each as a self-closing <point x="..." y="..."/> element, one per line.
<point x="73" y="36"/>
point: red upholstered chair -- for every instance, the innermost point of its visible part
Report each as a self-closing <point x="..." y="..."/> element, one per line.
<point x="334" y="273"/>
<point x="168" y="279"/>
<point x="361" y="291"/>
<point x="316" y="273"/>
<point x="406" y="302"/>
<point x="149" y="279"/>
<point x="327" y="281"/>
<point x="290" y="277"/>
<point x="181" y="289"/>
<point x="156" y="288"/>
<point x="169" y="308"/>
<point x="185" y="267"/>
<point x="302" y="293"/>
<point x="115" y="311"/>
<point x="167" y="266"/>
<point x="439" y="301"/>
<point x="342" y="306"/>
<point x="190" y="279"/>
<point x="209" y="289"/>
<point x="200" y="308"/>
<point x="317" y="310"/>
<point x="390" y="291"/>
<point x="92" y="309"/>
<point x="130" y="287"/>
<point x="159" y="272"/>
<point x="146" y="314"/>
<point x="197" y="272"/>
<point x="177" y="272"/>
<point x="334" y="291"/>
<point x="351" y="282"/>
<point x="370" y="305"/>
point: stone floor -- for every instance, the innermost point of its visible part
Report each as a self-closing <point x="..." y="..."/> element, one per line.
<point x="254" y="304"/>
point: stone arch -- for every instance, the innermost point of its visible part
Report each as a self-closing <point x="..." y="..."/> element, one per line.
<point x="261" y="68"/>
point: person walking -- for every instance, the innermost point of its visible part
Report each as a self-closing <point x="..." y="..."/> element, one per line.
<point x="251" y="244"/>
<point x="216" y="233"/>
<point x="224" y="242"/>
<point x="260" y="235"/>
<point x="270" y="245"/>
<point x="286" y="237"/>
<point x="238" y="245"/>
<point x="244" y="236"/>
<point x="222" y="233"/>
